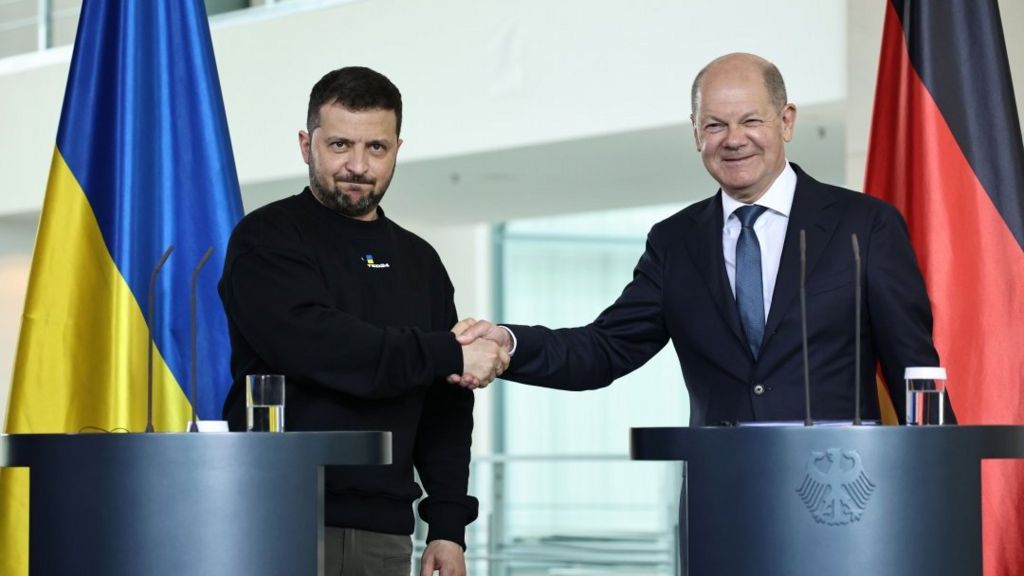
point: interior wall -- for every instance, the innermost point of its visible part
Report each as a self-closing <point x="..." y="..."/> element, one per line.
<point x="16" y="238"/>
<point x="477" y="75"/>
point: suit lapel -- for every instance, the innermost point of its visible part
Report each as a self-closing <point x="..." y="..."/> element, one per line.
<point x="705" y="247"/>
<point x="812" y="212"/>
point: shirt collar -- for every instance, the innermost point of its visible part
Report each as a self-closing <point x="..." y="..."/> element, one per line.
<point x="778" y="198"/>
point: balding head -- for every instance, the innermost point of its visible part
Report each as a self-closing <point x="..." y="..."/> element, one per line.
<point x="741" y="123"/>
<point x="742" y="63"/>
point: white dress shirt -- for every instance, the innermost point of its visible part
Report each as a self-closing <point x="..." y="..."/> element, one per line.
<point x="770" y="229"/>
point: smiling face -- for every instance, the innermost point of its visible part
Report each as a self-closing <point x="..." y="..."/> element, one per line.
<point x="351" y="157"/>
<point x="741" y="135"/>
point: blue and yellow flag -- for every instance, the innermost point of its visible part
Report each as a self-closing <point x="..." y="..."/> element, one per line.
<point x="143" y="160"/>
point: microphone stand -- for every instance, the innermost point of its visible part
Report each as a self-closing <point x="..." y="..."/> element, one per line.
<point x="151" y="323"/>
<point x="193" y="426"/>
<point x="803" y="325"/>
<point x="856" y="332"/>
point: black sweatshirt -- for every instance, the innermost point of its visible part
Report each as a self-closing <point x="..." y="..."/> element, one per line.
<point x="357" y="316"/>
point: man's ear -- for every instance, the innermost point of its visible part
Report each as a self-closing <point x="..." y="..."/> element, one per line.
<point x="788" y="121"/>
<point x="696" y="132"/>
<point x="305" y="141"/>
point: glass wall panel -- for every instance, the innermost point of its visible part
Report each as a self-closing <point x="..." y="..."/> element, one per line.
<point x="564" y="493"/>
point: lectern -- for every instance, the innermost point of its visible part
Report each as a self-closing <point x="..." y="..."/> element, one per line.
<point x="181" y="504"/>
<point x="854" y="501"/>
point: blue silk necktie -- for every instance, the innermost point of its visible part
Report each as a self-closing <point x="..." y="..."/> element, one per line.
<point x="749" y="286"/>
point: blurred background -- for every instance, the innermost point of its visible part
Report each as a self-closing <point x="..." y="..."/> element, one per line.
<point x="542" y="141"/>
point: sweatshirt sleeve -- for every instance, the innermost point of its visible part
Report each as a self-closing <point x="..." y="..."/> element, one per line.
<point x="277" y="299"/>
<point x="442" y="456"/>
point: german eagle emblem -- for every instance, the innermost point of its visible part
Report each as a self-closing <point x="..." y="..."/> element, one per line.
<point x="835" y="490"/>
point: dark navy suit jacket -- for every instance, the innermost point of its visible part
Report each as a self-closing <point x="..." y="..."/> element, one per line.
<point x="680" y="292"/>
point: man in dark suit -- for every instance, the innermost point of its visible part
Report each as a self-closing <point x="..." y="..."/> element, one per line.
<point x="720" y="279"/>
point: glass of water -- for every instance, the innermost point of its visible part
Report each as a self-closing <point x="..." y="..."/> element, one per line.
<point x="264" y="403"/>
<point x="926" y="396"/>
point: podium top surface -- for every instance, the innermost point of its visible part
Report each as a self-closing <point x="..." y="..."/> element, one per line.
<point x="684" y="443"/>
<point x="289" y="448"/>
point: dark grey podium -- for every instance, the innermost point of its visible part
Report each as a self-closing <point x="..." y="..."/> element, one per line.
<point x="840" y="501"/>
<point x="181" y="504"/>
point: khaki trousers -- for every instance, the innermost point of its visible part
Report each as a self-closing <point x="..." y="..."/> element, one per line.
<point x="351" y="552"/>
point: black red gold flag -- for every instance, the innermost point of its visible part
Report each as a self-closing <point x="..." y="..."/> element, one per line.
<point x="946" y="150"/>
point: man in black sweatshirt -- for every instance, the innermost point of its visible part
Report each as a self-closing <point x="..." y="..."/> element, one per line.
<point x="356" y="312"/>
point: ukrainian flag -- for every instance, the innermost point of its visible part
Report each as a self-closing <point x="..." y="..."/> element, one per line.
<point x="143" y="160"/>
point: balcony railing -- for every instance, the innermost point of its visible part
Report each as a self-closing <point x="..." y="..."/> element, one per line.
<point x="538" y="519"/>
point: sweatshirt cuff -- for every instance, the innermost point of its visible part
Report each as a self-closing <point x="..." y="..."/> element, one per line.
<point x="446" y="352"/>
<point x="447" y="527"/>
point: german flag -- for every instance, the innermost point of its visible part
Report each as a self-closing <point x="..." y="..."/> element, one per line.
<point x="946" y="150"/>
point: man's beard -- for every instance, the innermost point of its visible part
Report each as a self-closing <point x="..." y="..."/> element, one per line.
<point x="328" y="192"/>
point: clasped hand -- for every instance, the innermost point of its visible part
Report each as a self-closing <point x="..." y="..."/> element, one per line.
<point x="485" y="350"/>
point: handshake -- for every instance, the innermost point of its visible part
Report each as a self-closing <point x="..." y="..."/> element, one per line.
<point x="485" y="352"/>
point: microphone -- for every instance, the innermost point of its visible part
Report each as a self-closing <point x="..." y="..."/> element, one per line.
<point x="803" y="324"/>
<point x="856" y="331"/>
<point x="194" y="427"/>
<point x="152" y="322"/>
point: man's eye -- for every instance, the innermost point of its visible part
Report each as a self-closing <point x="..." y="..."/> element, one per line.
<point x="753" y="122"/>
<point x="339" y="145"/>
<point x="714" y="127"/>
